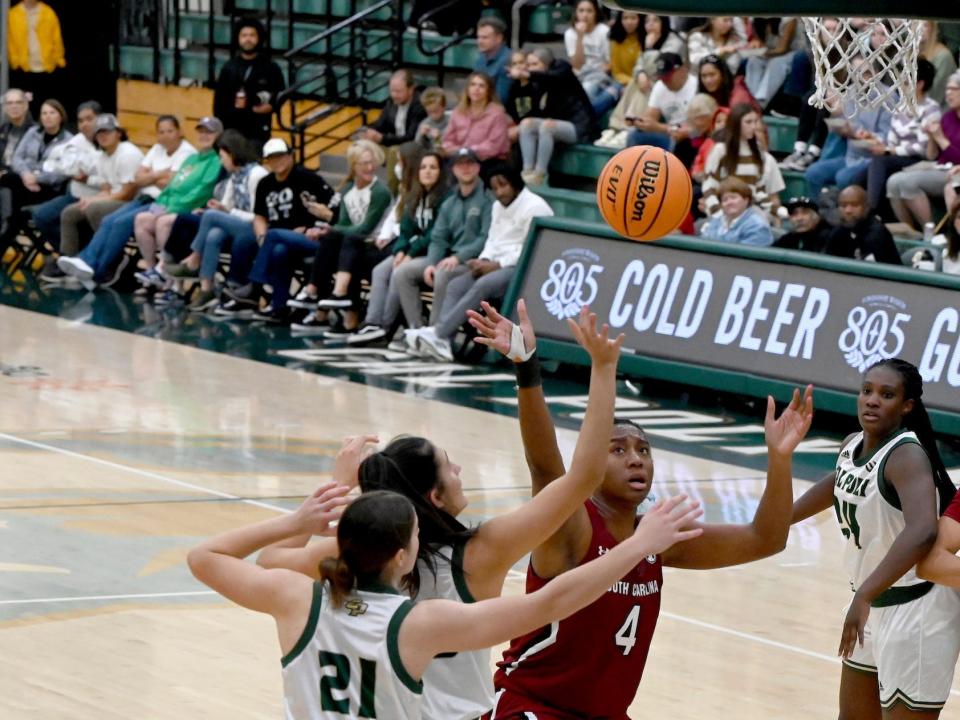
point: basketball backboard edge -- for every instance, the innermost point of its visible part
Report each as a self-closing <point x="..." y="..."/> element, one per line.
<point x="926" y="9"/>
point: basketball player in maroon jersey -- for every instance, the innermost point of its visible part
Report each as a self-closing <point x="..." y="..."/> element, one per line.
<point x="590" y="664"/>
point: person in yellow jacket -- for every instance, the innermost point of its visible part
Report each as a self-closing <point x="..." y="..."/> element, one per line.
<point x="35" y="48"/>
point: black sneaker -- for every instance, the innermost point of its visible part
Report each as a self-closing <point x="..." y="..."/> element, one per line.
<point x="53" y="275"/>
<point x="339" y="332"/>
<point x="236" y="309"/>
<point x="245" y="293"/>
<point x="367" y="334"/>
<point x="336" y="302"/>
<point x="180" y="270"/>
<point x="269" y="315"/>
<point x="311" y="325"/>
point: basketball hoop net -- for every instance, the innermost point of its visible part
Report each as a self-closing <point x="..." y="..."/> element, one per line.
<point x="865" y="63"/>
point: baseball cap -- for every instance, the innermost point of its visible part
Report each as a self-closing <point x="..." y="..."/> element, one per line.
<point x="802" y="202"/>
<point x="211" y="124"/>
<point x="667" y="63"/>
<point x="465" y="154"/>
<point x="106" y="121"/>
<point x="275" y="146"/>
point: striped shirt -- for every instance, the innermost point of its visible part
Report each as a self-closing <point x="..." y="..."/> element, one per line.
<point x="765" y="182"/>
<point x="906" y="135"/>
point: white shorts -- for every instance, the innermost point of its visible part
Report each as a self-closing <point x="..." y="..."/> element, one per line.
<point x="913" y="649"/>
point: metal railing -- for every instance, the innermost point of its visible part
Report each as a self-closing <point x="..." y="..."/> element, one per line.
<point x="439" y="51"/>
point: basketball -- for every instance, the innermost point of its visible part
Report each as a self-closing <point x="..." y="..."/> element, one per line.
<point x="644" y="193"/>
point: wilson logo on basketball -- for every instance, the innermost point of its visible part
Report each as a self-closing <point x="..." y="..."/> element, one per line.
<point x="646" y="186"/>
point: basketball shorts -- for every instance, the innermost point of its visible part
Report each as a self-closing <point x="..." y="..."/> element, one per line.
<point x="913" y="649"/>
<point x="512" y="706"/>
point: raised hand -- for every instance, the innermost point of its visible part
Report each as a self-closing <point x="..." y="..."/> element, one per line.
<point x="497" y="332"/>
<point x="323" y="507"/>
<point x="784" y="433"/>
<point x="602" y="349"/>
<point x="667" y="523"/>
<point x="347" y="463"/>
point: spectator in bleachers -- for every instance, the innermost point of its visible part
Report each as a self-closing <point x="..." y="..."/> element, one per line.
<point x="698" y="127"/>
<point x="905" y="142"/>
<point x="28" y="183"/>
<point x="810" y="230"/>
<point x="222" y="220"/>
<point x="434" y="125"/>
<point x="715" y="134"/>
<point x="658" y="38"/>
<point x="587" y="43"/>
<point x="811" y="135"/>
<point x="417" y="210"/>
<point x="189" y="189"/>
<point x="77" y="160"/>
<point x="626" y="44"/>
<point x="519" y="102"/>
<point x="97" y="263"/>
<point x="717" y="37"/>
<point x="399" y="120"/>
<point x="561" y="113"/>
<point x="909" y="191"/>
<point x="488" y="276"/>
<point x="247" y="88"/>
<point x="939" y="56"/>
<point x="493" y="55"/>
<point x="950" y="191"/>
<point x="35" y="50"/>
<point x="951" y="242"/>
<point x="765" y="74"/>
<point x="661" y="124"/>
<point x="348" y="250"/>
<point x="478" y="122"/>
<point x="740" y="155"/>
<point x="738" y="221"/>
<point x="844" y="162"/>
<point x="457" y="236"/>
<point x="292" y="208"/>
<point x="16" y="121"/>
<point x="116" y="171"/>
<point x="715" y="79"/>
<point x="632" y="104"/>
<point x="861" y="234"/>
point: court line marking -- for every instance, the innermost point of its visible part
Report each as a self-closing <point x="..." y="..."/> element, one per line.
<point x="268" y="506"/>
<point x="757" y="639"/>
<point x="83" y="598"/>
<point x="142" y="473"/>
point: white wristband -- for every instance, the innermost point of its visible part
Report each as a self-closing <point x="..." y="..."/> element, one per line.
<point x="518" y="351"/>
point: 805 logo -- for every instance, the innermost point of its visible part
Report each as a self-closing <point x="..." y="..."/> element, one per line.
<point x="571" y="283"/>
<point x="874" y="331"/>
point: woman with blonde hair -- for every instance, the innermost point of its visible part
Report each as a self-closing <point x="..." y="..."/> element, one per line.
<point x="348" y="248"/>
<point x="479" y="122"/>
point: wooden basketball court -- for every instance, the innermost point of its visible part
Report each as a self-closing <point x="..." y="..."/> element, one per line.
<point x="120" y="452"/>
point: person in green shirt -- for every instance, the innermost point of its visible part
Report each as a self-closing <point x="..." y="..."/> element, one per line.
<point x="188" y="190"/>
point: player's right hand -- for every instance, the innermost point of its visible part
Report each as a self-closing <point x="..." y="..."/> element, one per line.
<point x="323" y="507"/>
<point x="602" y="349"/>
<point x="667" y="523"/>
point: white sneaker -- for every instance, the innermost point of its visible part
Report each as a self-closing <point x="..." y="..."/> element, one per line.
<point x="434" y="346"/>
<point x="410" y="340"/>
<point x="76" y="267"/>
<point x="304" y="301"/>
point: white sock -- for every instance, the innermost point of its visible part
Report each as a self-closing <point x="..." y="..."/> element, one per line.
<point x="799" y="147"/>
<point x="814" y="150"/>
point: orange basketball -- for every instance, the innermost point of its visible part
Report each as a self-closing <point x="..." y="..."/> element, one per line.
<point x="644" y="192"/>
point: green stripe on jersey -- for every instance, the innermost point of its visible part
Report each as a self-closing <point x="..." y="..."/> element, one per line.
<point x="393" y="648"/>
<point x="901" y="595"/>
<point x="459" y="579"/>
<point x="310" y="629"/>
<point x="887" y="491"/>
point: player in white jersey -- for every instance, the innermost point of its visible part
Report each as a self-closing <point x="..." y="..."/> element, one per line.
<point x="901" y="635"/>
<point x="353" y="646"/>
<point x="461" y="564"/>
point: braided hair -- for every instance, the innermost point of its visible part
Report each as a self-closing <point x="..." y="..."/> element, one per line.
<point x="409" y="466"/>
<point x="918" y="421"/>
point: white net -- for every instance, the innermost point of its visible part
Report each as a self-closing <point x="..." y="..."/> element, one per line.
<point x="865" y="63"/>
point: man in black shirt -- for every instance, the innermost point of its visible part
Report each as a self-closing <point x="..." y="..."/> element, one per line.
<point x="398" y="122"/>
<point x="248" y="86"/>
<point x="293" y="208"/>
<point x="861" y="235"/>
<point x="810" y="231"/>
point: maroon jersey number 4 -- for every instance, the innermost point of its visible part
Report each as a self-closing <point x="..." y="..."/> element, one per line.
<point x="590" y="664"/>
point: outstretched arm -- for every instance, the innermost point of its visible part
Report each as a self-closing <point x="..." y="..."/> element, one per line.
<point x="293" y="552"/>
<point x="942" y="565"/>
<point x="536" y="426"/>
<point x="502" y="541"/>
<point x="437" y="626"/>
<point x="723" y="545"/>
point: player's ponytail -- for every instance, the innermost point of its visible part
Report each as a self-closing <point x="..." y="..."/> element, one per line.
<point x="408" y="465"/>
<point x="918" y="421"/>
<point x="370" y="533"/>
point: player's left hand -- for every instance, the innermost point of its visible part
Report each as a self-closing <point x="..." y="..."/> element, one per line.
<point x="854" y="625"/>
<point x="495" y="331"/>
<point x="353" y="451"/>
<point x="603" y="351"/>
<point x="784" y="433"/>
<point x="323" y="507"/>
